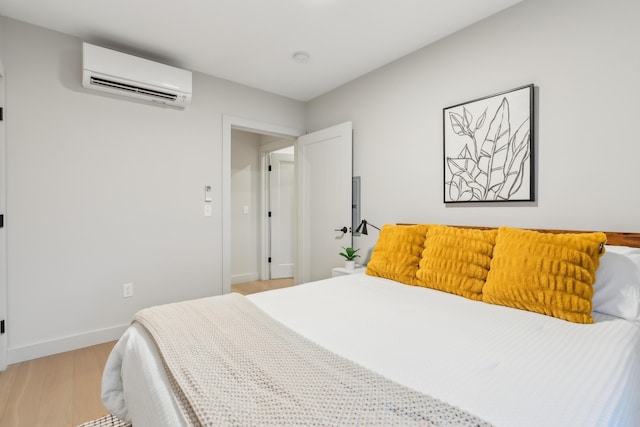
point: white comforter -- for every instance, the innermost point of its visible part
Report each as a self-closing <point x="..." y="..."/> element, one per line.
<point x="507" y="366"/>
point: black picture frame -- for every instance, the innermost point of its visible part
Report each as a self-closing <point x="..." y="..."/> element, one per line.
<point x="488" y="148"/>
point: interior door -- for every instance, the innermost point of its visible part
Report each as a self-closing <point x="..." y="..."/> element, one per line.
<point x="282" y="215"/>
<point x="3" y="234"/>
<point x="324" y="200"/>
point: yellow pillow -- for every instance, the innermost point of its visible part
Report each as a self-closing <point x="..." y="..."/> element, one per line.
<point x="397" y="254"/>
<point x="456" y="260"/>
<point x="546" y="273"/>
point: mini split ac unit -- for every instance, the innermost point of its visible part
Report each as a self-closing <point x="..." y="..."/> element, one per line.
<point x="121" y="74"/>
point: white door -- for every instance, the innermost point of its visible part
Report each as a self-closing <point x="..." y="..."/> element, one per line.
<point x="282" y="215"/>
<point x="3" y="234"/>
<point x="324" y="200"/>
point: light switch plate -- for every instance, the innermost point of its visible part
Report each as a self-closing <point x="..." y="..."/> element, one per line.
<point x="207" y="194"/>
<point x="127" y="290"/>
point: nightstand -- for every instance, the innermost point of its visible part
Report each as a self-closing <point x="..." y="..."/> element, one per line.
<point x="341" y="271"/>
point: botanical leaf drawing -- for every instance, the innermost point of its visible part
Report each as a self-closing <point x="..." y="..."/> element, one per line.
<point x="493" y="153"/>
<point x="457" y="124"/>
<point x="518" y="153"/>
<point x="467" y="117"/>
<point x="480" y="121"/>
<point x="495" y="169"/>
<point x="465" y="173"/>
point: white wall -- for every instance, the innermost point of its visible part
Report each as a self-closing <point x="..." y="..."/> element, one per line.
<point x="582" y="56"/>
<point x="104" y="191"/>
<point x="1" y="37"/>
<point x="245" y="191"/>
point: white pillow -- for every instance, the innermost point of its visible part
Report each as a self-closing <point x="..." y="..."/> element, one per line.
<point x="617" y="286"/>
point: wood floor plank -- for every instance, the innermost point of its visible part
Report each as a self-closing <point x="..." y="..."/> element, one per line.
<point x="26" y="395"/>
<point x="58" y="381"/>
<point x="87" y="377"/>
<point x="62" y="390"/>
<point x="7" y="381"/>
<point x="261" y="286"/>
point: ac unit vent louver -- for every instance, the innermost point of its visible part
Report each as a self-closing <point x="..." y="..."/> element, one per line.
<point x="108" y="83"/>
<point x="126" y="75"/>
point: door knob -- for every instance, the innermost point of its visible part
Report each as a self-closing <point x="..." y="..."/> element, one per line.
<point x="343" y="229"/>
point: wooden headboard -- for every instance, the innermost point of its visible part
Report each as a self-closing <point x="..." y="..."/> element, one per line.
<point x="615" y="238"/>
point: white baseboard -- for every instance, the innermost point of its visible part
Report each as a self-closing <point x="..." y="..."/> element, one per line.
<point x="247" y="277"/>
<point x="74" y="342"/>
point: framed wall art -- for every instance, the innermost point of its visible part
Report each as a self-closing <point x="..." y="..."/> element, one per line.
<point x="488" y="148"/>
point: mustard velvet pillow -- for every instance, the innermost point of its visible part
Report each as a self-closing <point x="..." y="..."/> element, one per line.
<point x="396" y="256"/>
<point x="546" y="273"/>
<point x="456" y="260"/>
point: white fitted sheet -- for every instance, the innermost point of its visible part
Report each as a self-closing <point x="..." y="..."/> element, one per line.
<point x="509" y="367"/>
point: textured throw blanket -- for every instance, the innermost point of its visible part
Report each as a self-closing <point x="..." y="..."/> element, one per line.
<point x="229" y="363"/>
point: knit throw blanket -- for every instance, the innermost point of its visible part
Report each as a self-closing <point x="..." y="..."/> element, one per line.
<point x="229" y="363"/>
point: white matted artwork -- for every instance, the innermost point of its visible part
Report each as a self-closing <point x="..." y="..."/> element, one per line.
<point x="488" y="148"/>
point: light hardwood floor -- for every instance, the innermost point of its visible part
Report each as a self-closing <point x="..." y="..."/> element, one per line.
<point x="56" y="391"/>
<point x="63" y="390"/>
<point x="261" y="285"/>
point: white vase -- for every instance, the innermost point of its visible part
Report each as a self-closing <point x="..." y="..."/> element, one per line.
<point x="350" y="265"/>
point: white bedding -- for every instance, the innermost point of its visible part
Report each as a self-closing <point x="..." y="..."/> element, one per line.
<point x="507" y="366"/>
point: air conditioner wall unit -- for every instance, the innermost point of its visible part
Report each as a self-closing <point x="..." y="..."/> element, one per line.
<point x="131" y="76"/>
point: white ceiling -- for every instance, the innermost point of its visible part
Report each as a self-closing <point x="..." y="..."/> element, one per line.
<point x="252" y="41"/>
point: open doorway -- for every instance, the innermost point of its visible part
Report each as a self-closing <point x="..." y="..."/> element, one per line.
<point x="230" y="123"/>
<point x="262" y="205"/>
<point x="323" y="168"/>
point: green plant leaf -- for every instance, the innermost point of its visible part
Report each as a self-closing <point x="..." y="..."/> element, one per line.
<point x="349" y="253"/>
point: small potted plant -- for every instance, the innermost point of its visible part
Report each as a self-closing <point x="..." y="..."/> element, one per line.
<point x="349" y="255"/>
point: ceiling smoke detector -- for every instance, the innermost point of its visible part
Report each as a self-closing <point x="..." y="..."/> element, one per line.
<point x="301" y="57"/>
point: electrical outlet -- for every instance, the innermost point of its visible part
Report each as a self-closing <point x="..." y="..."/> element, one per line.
<point x="127" y="290"/>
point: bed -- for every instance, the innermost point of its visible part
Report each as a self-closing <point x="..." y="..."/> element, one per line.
<point x="496" y="364"/>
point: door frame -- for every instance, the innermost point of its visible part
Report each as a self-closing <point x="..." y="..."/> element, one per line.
<point x="230" y="122"/>
<point x="4" y="294"/>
